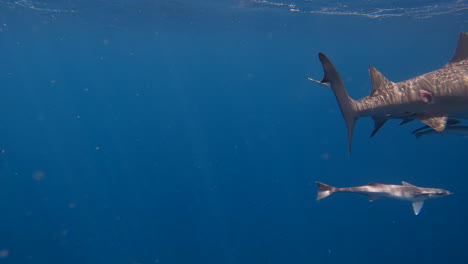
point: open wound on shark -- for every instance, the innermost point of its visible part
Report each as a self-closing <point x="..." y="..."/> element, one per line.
<point x="430" y="98"/>
<point x="374" y="191"/>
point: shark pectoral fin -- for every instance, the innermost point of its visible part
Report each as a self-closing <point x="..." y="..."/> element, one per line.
<point x="407" y="184"/>
<point x="436" y="122"/>
<point x="417" y="206"/>
<point x="378" y="123"/>
<point x="450" y="122"/>
<point x="461" y="53"/>
<point x="372" y="197"/>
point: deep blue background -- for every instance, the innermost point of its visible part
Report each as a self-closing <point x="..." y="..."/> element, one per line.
<point x="187" y="132"/>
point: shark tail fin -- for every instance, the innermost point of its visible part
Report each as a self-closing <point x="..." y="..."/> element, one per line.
<point x="347" y="105"/>
<point x="324" y="190"/>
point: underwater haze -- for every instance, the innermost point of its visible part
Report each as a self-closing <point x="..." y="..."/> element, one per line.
<point x="186" y="131"/>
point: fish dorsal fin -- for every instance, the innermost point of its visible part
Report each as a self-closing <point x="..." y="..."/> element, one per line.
<point x="374" y="184"/>
<point x="436" y="122"/>
<point x="417" y="206"/>
<point x="461" y="53"/>
<point x="378" y="81"/>
<point x="378" y="123"/>
<point x="407" y="184"/>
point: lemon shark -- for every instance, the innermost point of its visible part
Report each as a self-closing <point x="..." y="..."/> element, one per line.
<point x="430" y="98"/>
<point x="374" y="191"/>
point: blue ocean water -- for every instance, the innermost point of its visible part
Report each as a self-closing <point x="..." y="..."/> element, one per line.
<point x="186" y="131"/>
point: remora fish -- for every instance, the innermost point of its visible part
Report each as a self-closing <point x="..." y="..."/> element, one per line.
<point x="430" y="98"/>
<point x="374" y="191"/>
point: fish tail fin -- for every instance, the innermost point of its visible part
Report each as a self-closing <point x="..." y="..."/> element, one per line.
<point x="324" y="190"/>
<point x="347" y="105"/>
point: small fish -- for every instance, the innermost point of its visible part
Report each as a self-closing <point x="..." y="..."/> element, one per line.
<point x="374" y="191"/>
<point x="430" y="98"/>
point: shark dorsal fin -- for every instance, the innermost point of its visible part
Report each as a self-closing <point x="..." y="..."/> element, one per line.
<point x="378" y="81"/>
<point x="407" y="184"/>
<point x="436" y="122"/>
<point x="461" y="53"/>
<point x="417" y="206"/>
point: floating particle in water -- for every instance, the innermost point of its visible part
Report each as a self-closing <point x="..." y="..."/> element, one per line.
<point x="325" y="156"/>
<point x="4" y="253"/>
<point x="71" y="205"/>
<point x="38" y="175"/>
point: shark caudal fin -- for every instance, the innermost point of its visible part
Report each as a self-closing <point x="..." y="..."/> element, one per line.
<point x="324" y="190"/>
<point x="347" y="105"/>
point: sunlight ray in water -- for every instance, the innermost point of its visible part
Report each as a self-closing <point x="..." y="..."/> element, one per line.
<point x="36" y="5"/>
<point x="371" y="9"/>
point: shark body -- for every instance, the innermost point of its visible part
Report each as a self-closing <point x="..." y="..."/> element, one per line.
<point x="374" y="191"/>
<point x="430" y="98"/>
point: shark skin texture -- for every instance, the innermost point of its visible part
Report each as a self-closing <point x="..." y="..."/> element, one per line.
<point x="431" y="98"/>
<point x="407" y="192"/>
